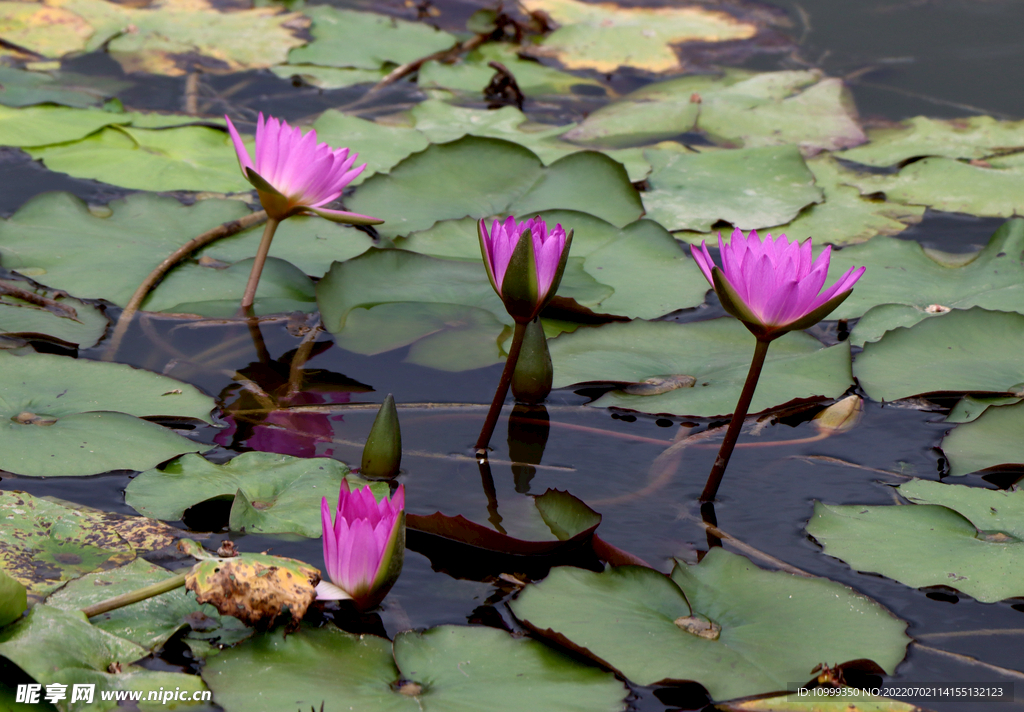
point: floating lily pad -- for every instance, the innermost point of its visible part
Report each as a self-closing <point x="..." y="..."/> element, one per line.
<point x="381" y="147"/>
<point x="447" y="309"/>
<point x="737" y="109"/>
<point x="148" y="623"/>
<point x="990" y="441"/>
<point x="271" y="493"/>
<point x="482" y="177"/>
<point x="989" y="189"/>
<point x="720" y="623"/>
<point x="42" y="125"/>
<point x="651" y="276"/>
<point x="310" y="243"/>
<point x="174" y="36"/>
<point x="927" y="544"/>
<point x="446" y="669"/>
<point x="971" y="350"/>
<point x="13" y="598"/>
<point x="215" y="290"/>
<point x="46" y="543"/>
<point x="472" y="73"/>
<point x="604" y="36"/>
<point x="716" y="352"/>
<point x="65" y="417"/>
<point x="903" y="272"/>
<point x="54" y="316"/>
<point x="21" y="88"/>
<point x="989" y="510"/>
<point x="185" y="158"/>
<point x="752" y="188"/>
<point x="60" y="647"/>
<point x="972" y="137"/>
<point x="366" y="40"/>
<point x="329" y="77"/>
<point x="141" y="230"/>
<point x="970" y="408"/>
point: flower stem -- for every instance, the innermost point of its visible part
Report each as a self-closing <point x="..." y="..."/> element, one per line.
<point x="257" y="265"/>
<point x="139" y="594"/>
<point x="736" y="424"/>
<point x="499" y="395"/>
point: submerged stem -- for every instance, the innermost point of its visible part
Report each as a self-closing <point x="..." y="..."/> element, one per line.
<point x="499" y="395"/>
<point x="736" y="424"/>
<point x="139" y="594"/>
<point x="257" y="265"/>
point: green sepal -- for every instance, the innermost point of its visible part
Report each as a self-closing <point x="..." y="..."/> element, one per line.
<point x="261" y="184"/>
<point x="481" y="233"/>
<point x="339" y="216"/>
<point x="531" y="381"/>
<point x="735" y="306"/>
<point x="560" y="271"/>
<point x="519" y="285"/>
<point x="382" y="454"/>
<point x="390" y="570"/>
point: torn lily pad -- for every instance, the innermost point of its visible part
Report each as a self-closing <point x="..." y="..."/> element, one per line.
<point x="443" y="668"/>
<point x="990" y="442"/>
<point x="270" y="493"/>
<point x="652" y="628"/>
<point x="971" y="137"/>
<point x="65" y="417"/>
<point x="35" y="313"/>
<point x="943" y="544"/>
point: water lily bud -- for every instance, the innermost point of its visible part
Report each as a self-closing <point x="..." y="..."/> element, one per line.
<point x="840" y="416"/>
<point x="524" y="262"/>
<point x="364" y="546"/>
<point x="531" y="381"/>
<point x="773" y="286"/>
<point x="382" y="454"/>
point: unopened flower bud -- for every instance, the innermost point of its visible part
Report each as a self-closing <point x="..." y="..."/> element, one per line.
<point x="382" y="454"/>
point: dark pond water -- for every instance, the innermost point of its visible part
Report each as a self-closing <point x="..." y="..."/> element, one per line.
<point x="940" y="58"/>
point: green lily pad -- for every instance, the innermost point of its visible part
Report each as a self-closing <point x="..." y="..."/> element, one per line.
<point x="149" y="623"/>
<point x="13" y="598"/>
<point x="990" y="189"/>
<point x="720" y="623"/>
<point x="329" y="77"/>
<point x="215" y="291"/>
<point x="43" y="125"/>
<point x="651" y="276"/>
<point x="970" y="408"/>
<point x="471" y="74"/>
<point x="482" y="177"/>
<point x="44" y="29"/>
<point x="737" y="108"/>
<point x="58" y="318"/>
<point x="446" y="309"/>
<point x="988" y="510"/>
<point x="924" y="545"/>
<point x="309" y="243"/>
<point x="903" y="272"/>
<point x="65" y="417"/>
<point x="752" y="188"/>
<point x="971" y="350"/>
<point x="445" y="669"/>
<point x="271" y="493"/>
<point x="366" y="40"/>
<point x="60" y="647"/>
<point x="972" y="137"/>
<point x="185" y="158"/>
<point x="717" y="353"/>
<point x="878" y="321"/>
<point x="177" y="35"/>
<point x="604" y="36"/>
<point x="381" y="147"/>
<point x="141" y="230"/>
<point x="21" y="88"/>
<point x="990" y="441"/>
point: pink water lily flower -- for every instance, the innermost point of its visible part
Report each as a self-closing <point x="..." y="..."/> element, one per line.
<point x="773" y="285"/>
<point x="524" y="273"/>
<point x="295" y="174"/>
<point x="363" y="546"/>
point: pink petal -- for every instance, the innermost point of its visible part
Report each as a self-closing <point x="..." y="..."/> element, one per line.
<point x="243" y="153"/>
<point x="703" y="259"/>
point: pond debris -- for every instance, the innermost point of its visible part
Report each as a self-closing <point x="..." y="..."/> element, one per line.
<point x="656" y="385"/>
<point x="699" y="626"/>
